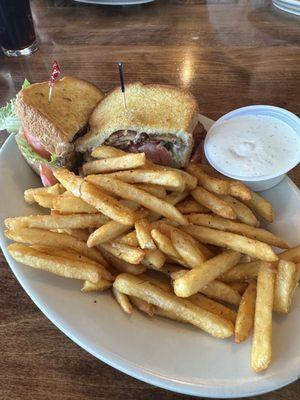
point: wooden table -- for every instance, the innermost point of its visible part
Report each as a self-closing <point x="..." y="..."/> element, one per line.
<point x="228" y="53"/>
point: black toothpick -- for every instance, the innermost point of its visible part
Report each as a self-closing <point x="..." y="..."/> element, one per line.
<point x="120" y="68"/>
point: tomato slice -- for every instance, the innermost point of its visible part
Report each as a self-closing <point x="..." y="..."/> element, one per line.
<point x="36" y="145"/>
<point x="47" y="177"/>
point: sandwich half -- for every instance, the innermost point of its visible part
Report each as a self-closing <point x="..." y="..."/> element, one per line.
<point x="158" y="120"/>
<point x="48" y="130"/>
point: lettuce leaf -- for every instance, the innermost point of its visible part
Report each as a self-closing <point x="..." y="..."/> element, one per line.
<point x="30" y="155"/>
<point x="8" y="117"/>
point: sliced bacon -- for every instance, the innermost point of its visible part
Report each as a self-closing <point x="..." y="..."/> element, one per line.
<point x="156" y="152"/>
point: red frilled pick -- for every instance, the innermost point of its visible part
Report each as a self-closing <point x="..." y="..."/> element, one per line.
<point x="54" y="75"/>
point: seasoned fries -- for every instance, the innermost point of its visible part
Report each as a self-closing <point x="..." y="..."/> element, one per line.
<point x="213" y="203"/>
<point x="194" y="280"/>
<point x="245" y="316"/>
<point x="262" y="337"/>
<point x="185" y="310"/>
<point x="242" y="244"/>
<point x="128" y="161"/>
<point x="170" y="243"/>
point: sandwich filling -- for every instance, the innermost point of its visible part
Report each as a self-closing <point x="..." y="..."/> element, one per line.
<point x="162" y="149"/>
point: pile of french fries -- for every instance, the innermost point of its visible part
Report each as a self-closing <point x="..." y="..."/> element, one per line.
<point x="184" y="245"/>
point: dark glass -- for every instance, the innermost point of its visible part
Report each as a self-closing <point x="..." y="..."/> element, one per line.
<point x="16" y="26"/>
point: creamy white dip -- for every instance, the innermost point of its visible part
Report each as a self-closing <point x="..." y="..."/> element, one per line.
<point x="253" y="146"/>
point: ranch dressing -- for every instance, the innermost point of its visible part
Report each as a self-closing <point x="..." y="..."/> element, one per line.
<point x="253" y="146"/>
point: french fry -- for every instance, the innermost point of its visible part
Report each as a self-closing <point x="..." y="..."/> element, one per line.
<point x="107" y="232"/>
<point x="285" y="285"/>
<point x="262" y="338"/>
<point x="243" y="271"/>
<point x="292" y="254"/>
<point x="197" y="278"/>
<point x="165" y="245"/>
<point x="187" y="250"/>
<point x="81" y="234"/>
<point x="97" y="198"/>
<point x="72" y="205"/>
<point x="130" y="192"/>
<point x="29" y="194"/>
<point x="213" y="306"/>
<point x="76" y="221"/>
<point x="238" y="189"/>
<point x="57" y="265"/>
<point x="154" y="259"/>
<point x="263" y="207"/>
<point x="211" y="323"/>
<point x="143" y="306"/>
<point x="191" y="206"/>
<point x="123" y="301"/>
<point x="243" y="213"/>
<point x="107" y="152"/>
<point x="253" y="248"/>
<point x="132" y="255"/>
<point x="175" y="197"/>
<point x="210" y="183"/>
<point x="143" y="234"/>
<point x="170" y="269"/>
<point x="59" y="240"/>
<point x="127" y="161"/>
<point x="121" y="265"/>
<point x="155" y="190"/>
<point x="223" y="224"/>
<point x="213" y="203"/>
<point x="190" y="180"/>
<point x="245" y="316"/>
<point x="240" y="287"/>
<point x="45" y="200"/>
<point x="100" y="286"/>
<point x="130" y="239"/>
<point x="172" y="180"/>
<point x="221" y="291"/>
<point x="163" y="285"/>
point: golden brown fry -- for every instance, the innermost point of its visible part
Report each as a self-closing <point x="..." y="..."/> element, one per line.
<point x="72" y="205"/>
<point x="187" y="249"/>
<point x="243" y="213"/>
<point x="130" y="192"/>
<point x="243" y="271"/>
<point x="130" y="239"/>
<point x="154" y="259"/>
<point x="121" y="265"/>
<point x="191" y="206"/>
<point x="76" y="221"/>
<point x="100" y="286"/>
<point x="223" y="224"/>
<point x="172" y="180"/>
<point x="97" y="198"/>
<point x="211" y="323"/>
<point x="107" y="152"/>
<point x="213" y="306"/>
<point x="210" y="183"/>
<point x="165" y="245"/>
<point x="285" y="285"/>
<point x="196" y="279"/>
<point x="221" y="291"/>
<point x="240" y="287"/>
<point x="143" y="306"/>
<point x="29" y="194"/>
<point x="292" y="254"/>
<point x="132" y="255"/>
<point x="107" y="232"/>
<point x="262" y="337"/>
<point x="57" y="265"/>
<point x="60" y="240"/>
<point x="123" y="301"/>
<point x="155" y="281"/>
<point x="127" y="161"/>
<point x="253" y="248"/>
<point x="238" y="189"/>
<point x="155" y="190"/>
<point x="261" y="206"/>
<point x="45" y="200"/>
<point x="81" y="234"/>
<point x="213" y="203"/>
<point x="143" y="234"/>
<point x="175" y="197"/>
<point x="245" y="316"/>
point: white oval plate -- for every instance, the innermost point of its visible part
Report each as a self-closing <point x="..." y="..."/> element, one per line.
<point x="164" y="353"/>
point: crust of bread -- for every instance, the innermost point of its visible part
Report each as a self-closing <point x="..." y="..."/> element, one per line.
<point x="151" y="109"/>
<point x="56" y="123"/>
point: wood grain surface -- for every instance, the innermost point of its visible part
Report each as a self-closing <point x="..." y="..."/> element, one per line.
<point x="228" y="53"/>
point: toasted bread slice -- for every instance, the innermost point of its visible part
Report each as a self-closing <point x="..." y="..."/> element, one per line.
<point x="157" y="110"/>
<point x="55" y="124"/>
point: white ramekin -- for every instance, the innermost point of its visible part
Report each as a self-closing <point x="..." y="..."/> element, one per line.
<point x="263" y="182"/>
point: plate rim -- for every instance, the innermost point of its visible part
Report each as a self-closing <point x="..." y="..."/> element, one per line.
<point x="130" y="368"/>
